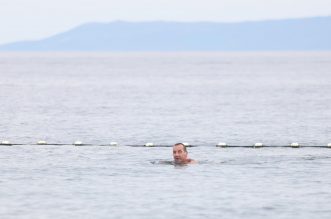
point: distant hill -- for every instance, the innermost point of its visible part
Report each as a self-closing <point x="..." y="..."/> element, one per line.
<point x="289" y="34"/>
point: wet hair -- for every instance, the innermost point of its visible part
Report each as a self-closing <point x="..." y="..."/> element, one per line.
<point x="184" y="147"/>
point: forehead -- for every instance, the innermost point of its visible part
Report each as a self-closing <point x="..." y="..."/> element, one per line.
<point x="178" y="147"/>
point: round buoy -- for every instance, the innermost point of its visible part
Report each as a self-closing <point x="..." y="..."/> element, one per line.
<point x="186" y="144"/>
<point x="149" y="144"/>
<point x="329" y="145"/>
<point x="222" y="144"/>
<point x="295" y="145"/>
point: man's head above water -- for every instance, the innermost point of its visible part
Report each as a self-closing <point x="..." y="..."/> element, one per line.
<point x="180" y="154"/>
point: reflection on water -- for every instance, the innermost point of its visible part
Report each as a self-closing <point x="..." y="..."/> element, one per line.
<point x="163" y="162"/>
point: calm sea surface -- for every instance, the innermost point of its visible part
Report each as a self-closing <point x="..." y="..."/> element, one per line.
<point x="164" y="98"/>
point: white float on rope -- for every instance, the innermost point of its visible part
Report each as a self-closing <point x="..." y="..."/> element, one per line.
<point x="258" y="145"/>
<point x="221" y="144"/>
<point x="295" y="145"/>
<point x="5" y="142"/>
<point x="113" y="143"/>
<point x="41" y="142"/>
<point x="77" y="143"/>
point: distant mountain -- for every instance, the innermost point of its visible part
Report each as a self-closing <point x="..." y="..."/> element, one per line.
<point x="289" y="34"/>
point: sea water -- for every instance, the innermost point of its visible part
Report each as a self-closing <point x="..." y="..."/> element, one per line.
<point x="164" y="98"/>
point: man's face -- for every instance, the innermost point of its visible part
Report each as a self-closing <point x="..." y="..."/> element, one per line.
<point x="180" y="156"/>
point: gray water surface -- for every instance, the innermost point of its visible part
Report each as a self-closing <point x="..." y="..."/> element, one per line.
<point x="134" y="98"/>
<point x="127" y="182"/>
<point x="201" y="98"/>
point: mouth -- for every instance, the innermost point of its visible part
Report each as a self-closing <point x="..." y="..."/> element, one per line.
<point x="177" y="160"/>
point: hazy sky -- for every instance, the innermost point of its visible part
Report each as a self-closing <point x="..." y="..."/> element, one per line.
<point x="35" y="19"/>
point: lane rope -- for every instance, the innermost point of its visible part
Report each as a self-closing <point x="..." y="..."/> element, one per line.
<point x="149" y="144"/>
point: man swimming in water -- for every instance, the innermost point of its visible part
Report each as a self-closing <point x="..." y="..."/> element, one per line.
<point x="180" y="154"/>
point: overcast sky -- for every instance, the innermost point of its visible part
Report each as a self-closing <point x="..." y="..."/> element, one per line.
<point x="36" y="19"/>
